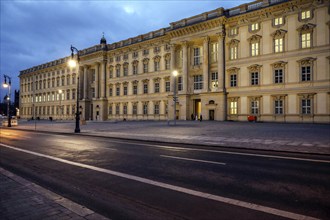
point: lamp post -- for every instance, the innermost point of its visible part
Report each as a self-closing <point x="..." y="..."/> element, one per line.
<point x="5" y="85"/>
<point x="60" y="96"/>
<point x="175" y="74"/>
<point x="72" y="64"/>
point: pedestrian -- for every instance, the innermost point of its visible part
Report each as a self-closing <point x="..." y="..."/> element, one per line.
<point x="200" y="118"/>
<point x="196" y="117"/>
<point x="192" y="117"/>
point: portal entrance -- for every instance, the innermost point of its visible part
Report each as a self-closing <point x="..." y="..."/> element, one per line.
<point x="198" y="108"/>
<point x="211" y="115"/>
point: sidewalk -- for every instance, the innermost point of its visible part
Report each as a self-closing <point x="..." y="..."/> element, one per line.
<point x="308" y="138"/>
<point x="21" y="199"/>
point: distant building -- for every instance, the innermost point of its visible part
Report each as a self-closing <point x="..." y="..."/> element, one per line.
<point x="268" y="59"/>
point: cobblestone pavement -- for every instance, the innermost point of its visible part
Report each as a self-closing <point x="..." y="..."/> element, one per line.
<point x="309" y="138"/>
<point x="21" y="199"/>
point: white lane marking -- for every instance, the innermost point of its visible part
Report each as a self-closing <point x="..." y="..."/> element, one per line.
<point x="195" y="160"/>
<point x="235" y="202"/>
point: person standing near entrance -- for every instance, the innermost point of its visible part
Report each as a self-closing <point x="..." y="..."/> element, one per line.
<point x="201" y="118"/>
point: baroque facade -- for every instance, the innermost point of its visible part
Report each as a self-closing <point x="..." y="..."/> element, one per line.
<point x="268" y="59"/>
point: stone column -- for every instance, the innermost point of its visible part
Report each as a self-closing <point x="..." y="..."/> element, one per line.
<point x="185" y="66"/>
<point x="172" y="65"/>
<point x="206" y="64"/>
<point x="85" y="82"/>
<point x="221" y="54"/>
<point x="102" y="79"/>
<point x="97" y="65"/>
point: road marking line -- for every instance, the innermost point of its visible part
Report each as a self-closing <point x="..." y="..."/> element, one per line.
<point x="235" y="202"/>
<point x="202" y="161"/>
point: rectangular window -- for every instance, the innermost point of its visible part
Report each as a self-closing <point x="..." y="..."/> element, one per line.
<point x="117" y="109"/>
<point x="146" y="52"/>
<point x="180" y="85"/>
<point x="110" y="92"/>
<point x="278" y="76"/>
<point x="157" y="87"/>
<point x="156" y="109"/>
<point x="111" y="73"/>
<point x="125" y="70"/>
<point x="73" y="94"/>
<point x="157" y="66"/>
<point x="134" y="109"/>
<point x="278" y="43"/>
<point x="305" y="15"/>
<point x="110" y="110"/>
<point x="135" y="69"/>
<point x="306" y="107"/>
<point x="167" y="86"/>
<point x="167" y="64"/>
<point x="233" y="80"/>
<point x="145" y="88"/>
<point x="233" y="108"/>
<point x="306" y="74"/>
<point x="145" y="68"/>
<point x="214" y="52"/>
<point x="125" y="109"/>
<point x="145" y="108"/>
<point x="118" y="58"/>
<point x="254" y="107"/>
<point x="125" y="90"/>
<point x="255" y="49"/>
<point x="118" y="72"/>
<point x="117" y="91"/>
<point x="214" y="80"/>
<point x="74" y="79"/>
<point x="254" y="78"/>
<point x="306" y="40"/>
<point x="93" y="77"/>
<point x="135" y="89"/>
<point x="126" y="56"/>
<point x="233" y="52"/>
<point x="278" y="21"/>
<point x="156" y="49"/>
<point x="278" y="107"/>
<point x="197" y="56"/>
<point x="254" y="27"/>
<point x="233" y="31"/>
<point x="93" y="92"/>
<point x="135" y="54"/>
<point x="198" y="82"/>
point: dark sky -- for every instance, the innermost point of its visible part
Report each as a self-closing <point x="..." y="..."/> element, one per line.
<point x="38" y="31"/>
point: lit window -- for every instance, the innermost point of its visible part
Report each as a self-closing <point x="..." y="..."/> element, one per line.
<point x="233" y="108"/>
<point x="214" y="52"/>
<point x="305" y="14"/>
<point x="157" y="65"/>
<point x="278" y="21"/>
<point x="255" y="49"/>
<point x="233" y="52"/>
<point x="254" y="27"/>
<point x="278" y="43"/>
<point x="306" y="40"/>
<point x="233" y="31"/>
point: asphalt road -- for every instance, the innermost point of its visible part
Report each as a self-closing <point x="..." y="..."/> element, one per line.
<point x="147" y="180"/>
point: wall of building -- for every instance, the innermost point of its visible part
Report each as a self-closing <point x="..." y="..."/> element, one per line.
<point x="268" y="59"/>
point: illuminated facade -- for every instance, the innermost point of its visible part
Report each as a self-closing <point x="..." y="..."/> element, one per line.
<point x="268" y="59"/>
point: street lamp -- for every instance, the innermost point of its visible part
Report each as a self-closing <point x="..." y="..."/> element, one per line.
<point x="73" y="63"/>
<point x="8" y="85"/>
<point x="60" y="96"/>
<point x="175" y="74"/>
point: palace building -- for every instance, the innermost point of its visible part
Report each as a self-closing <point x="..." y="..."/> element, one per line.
<point x="267" y="59"/>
